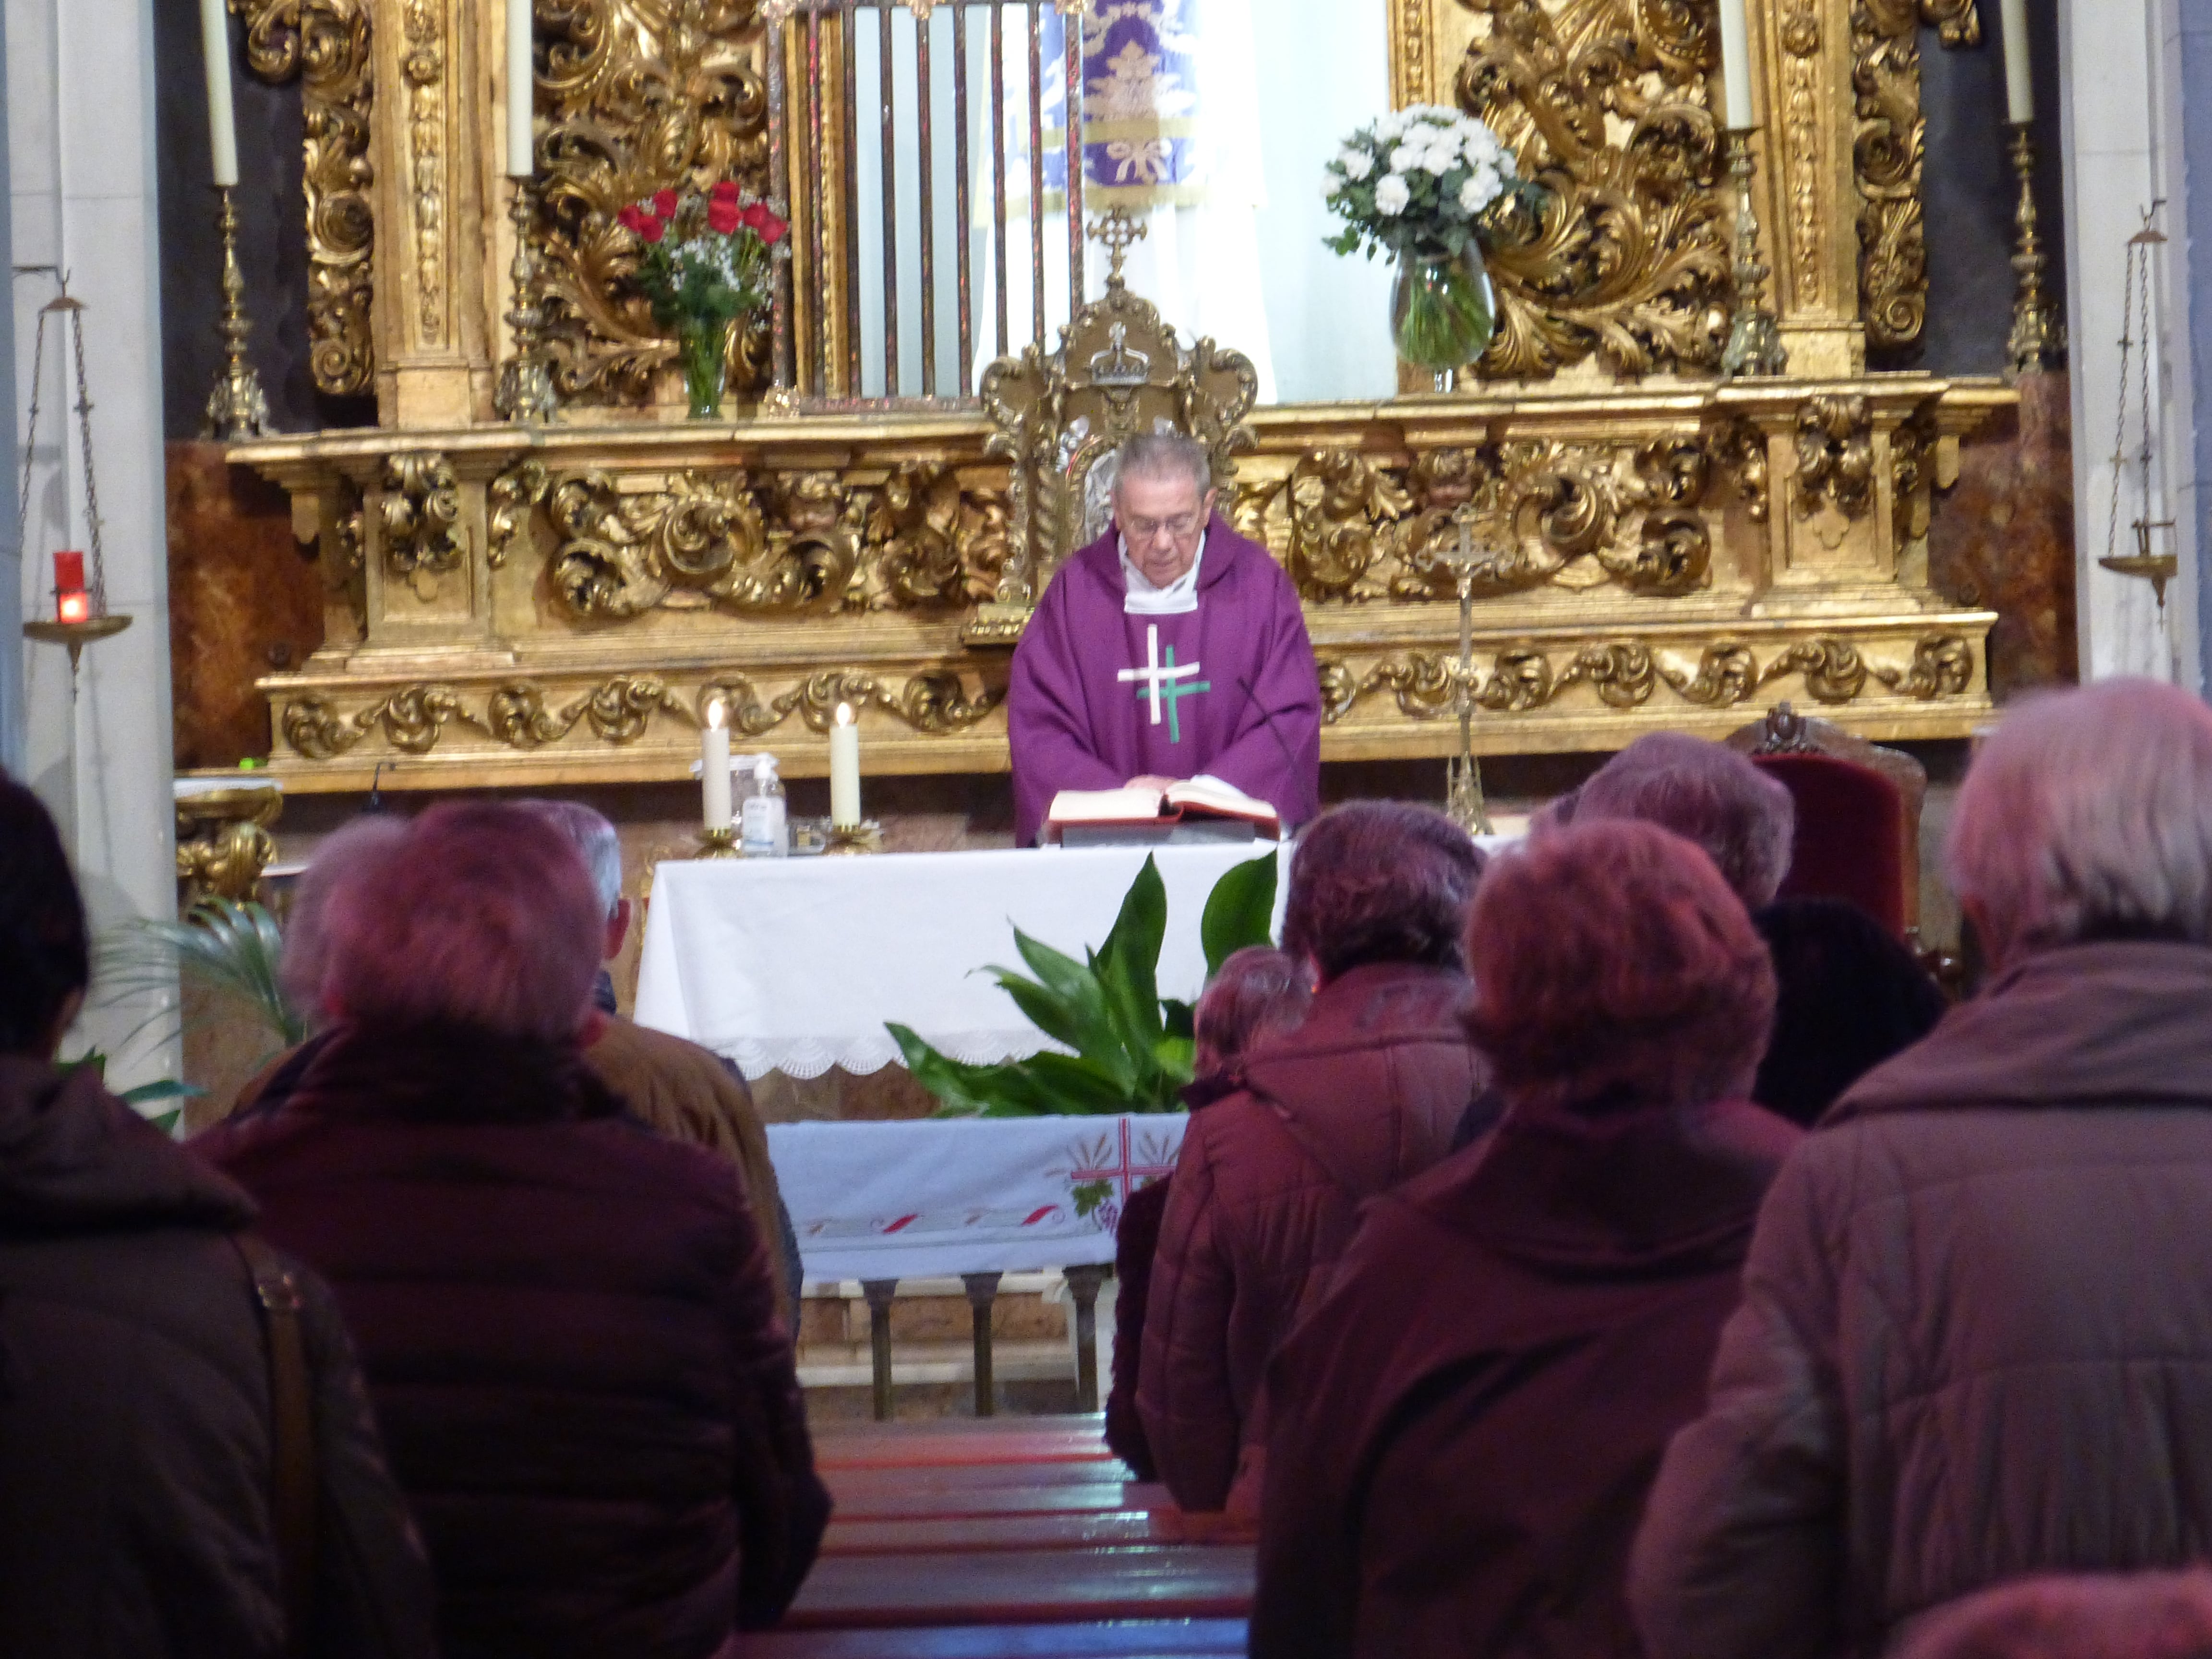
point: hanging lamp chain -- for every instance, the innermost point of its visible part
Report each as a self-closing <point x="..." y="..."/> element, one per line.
<point x="99" y="583"/>
<point x="30" y="429"/>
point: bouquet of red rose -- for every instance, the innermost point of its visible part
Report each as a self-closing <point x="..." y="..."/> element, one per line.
<point x="705" y="267"/>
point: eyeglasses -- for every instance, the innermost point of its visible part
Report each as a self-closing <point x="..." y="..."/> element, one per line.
<point x="1145" y="531"/>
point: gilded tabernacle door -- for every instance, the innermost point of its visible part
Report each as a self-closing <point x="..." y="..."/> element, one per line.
<point x="987" y="214"/>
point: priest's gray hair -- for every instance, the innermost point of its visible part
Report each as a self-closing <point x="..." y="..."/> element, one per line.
<point x="595" y="842"/>
<point x="1706" y="793"/>
<point x="2088" y="815"/>
<point x="1163" y="455"/>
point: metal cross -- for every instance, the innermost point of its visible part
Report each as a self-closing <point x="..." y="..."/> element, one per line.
<point x="1117" y="232"/>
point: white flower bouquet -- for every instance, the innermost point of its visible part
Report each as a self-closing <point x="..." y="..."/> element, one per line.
<point x="1419" y="184"/>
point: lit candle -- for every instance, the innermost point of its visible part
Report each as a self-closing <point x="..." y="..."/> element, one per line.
<point x="2020" y="81"/>
<point x="845" y="770"/>
<point x="1736" y="64"/>
<point x="73" y="607"/>
<point x="69" y="573"/>
<point x="715" y="767"/>
<point x="521" y="91"/>
<point x="222" y="124"/>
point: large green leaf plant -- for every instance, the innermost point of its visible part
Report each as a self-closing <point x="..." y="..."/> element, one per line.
<point x="1132" y="1049"/>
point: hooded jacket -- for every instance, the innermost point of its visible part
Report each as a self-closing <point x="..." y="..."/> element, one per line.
<point x="569" y="1329"/>
<point x="1976" y="1341"/>
<point x="135" y="1426"/>
<point x="1364" y="1095"/>
<point x="1463" y="1432"/>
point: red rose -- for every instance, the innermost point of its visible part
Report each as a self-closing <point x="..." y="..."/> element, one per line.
<point x="650" y="227"/>
<point x="722" y="218"/>
<point x="663" y="203"/>
<point x="724" y="191"/>
<point x="629" y="217"/>
<point x="764" y="223"/>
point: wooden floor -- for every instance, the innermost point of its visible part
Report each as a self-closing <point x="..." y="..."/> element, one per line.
<point x="1008" y="1538"/>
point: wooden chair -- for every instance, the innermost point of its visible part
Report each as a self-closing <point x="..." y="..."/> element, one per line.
<point x="1784" y="732"/>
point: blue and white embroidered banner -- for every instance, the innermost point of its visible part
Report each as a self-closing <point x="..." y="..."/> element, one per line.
<point x="1141" y="146"/>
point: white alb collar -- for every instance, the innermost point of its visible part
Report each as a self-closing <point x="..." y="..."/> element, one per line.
<point x="1141" y="598"/>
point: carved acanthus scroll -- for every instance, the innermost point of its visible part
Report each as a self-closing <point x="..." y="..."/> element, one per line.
<point x="325" y="44"/>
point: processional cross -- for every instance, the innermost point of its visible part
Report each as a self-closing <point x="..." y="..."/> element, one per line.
<point x="1463" y="800"/>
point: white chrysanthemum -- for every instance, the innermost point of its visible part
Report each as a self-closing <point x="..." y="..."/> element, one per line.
<point x="1390" y="127"/>
<point x="1355" y="164"/>
<point x="1393" y="196"/>
<point x="1473" y="198"/>
<point x="1440" y="161"/>
<point x="1406" y="158"/>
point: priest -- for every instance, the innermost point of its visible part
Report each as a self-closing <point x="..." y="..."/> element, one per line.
<point x="1171" y="648"/>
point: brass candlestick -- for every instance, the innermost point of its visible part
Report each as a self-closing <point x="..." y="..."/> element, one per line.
<point x="237" y="408"/>
<point x="1463" y="798"/>
<point x="2038" y="338"/>
<point x="1754" y="342"/>
<point x="526" y="385"/>
<point x="719" y="844"/>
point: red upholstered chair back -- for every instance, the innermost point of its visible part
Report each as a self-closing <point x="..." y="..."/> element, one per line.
<point x="1851" y="828"/>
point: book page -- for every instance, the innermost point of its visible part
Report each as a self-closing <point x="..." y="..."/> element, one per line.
<point x="1212" y="795"/>
<point x="1103" y="805"/>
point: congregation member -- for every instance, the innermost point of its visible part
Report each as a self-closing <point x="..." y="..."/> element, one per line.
<point x="2137" y="1615"/>
<point x="1461" y="1433"/>
<point x="1259" y="993"/>
<point x="1364" y="1095"/>
<point x="151" y="1503"/>
<point x="568" y="1322"/>
<point x="1976" y="1343"/>
<point x="685" y="1091"/>
<point x="1171" y="648"/>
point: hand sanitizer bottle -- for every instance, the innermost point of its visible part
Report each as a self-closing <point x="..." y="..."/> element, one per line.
<point x="766" y="832"/>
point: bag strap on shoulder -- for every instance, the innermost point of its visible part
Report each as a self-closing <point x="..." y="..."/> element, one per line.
<point x="294" y="1498"/>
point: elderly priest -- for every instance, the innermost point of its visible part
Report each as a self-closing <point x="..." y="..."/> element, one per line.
<point x="1171" y="648"/>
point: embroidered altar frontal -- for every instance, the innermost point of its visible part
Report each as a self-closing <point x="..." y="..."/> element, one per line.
<point x="1652" y="544"/>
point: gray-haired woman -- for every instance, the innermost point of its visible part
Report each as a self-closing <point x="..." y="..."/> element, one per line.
<point x="1976" y="1343"/>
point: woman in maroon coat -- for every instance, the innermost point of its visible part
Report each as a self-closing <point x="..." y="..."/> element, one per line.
<point x="567" y="1322"/>
<point x="1464" y="1429"/>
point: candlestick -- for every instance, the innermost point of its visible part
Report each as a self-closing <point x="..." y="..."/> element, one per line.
<point x="2020" y="77"/>
<point x="714" y="768"/>
<point x="521" y="91"/>
<point x="2038" y="338"/>
<point x="1754" y="344"/>
<point x="237" y="408"/>
<point x="844" y="770"/>
<point x="526" y="385"/>
<point x="222" y="122"/>
<point x="1736" y="64"/>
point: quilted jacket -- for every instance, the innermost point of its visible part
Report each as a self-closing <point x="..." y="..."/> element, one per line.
<point x="1364" y="1095"/>
<point x="569" y="1333"/>
<point x="1976" y="1341"/>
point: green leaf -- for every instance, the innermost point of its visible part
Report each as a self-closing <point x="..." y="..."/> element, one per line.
<point x="1240" y="911"/>
<point x="1177" y="1057"/>
<point x="1178" y="1019"/>
<point x="1129" y="961"/>
<point x="1078" y="1086"/>
<point x="969" y="1091"/>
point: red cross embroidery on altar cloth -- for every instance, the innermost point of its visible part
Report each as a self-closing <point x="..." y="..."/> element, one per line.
<point x="1150" y="1158"/>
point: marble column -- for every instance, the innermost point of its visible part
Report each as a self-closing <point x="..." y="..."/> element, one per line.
<point x="81" y="167"/>
<point x="2116" y="79"/>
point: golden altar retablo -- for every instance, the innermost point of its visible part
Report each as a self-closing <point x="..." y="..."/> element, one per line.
<point x="512" y="603"/>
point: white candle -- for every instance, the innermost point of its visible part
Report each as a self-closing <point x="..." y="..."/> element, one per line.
<point x="1736" y="64"/>
<point x="2020" y="79"/>
<point x="714" y="768"/>
<point x="223" y="122"/>
<point x="521" y="91"/>
<point x="845" y="770"/>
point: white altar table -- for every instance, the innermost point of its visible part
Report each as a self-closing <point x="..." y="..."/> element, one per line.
<point x="793" y="965"/>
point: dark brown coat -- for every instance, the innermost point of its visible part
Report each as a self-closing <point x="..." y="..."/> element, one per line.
<point x="1976" y="1341"/>
<point x="1463" y="1432"/>
<point x="1372" y="1086"/>
<point x="134" y="1428"/>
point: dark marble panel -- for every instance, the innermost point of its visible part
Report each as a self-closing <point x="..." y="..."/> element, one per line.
<point x="2004" y="537"/>
<point x="243" y="601"/>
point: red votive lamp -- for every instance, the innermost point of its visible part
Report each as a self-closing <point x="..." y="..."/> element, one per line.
<point x="71" y="602"/>
<point x="73" y="607"/>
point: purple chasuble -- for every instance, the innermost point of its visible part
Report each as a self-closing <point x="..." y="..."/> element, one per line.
<point x="1100" y="696"/>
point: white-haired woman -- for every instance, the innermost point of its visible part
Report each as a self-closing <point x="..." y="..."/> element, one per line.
<point x="1976" y="1341"/>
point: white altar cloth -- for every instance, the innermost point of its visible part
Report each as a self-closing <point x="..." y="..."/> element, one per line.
<point x="964" y="1195"/>
<point x="793" y="965"/>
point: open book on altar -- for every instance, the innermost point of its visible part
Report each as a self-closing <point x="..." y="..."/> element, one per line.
<point x="1196" y="809"/>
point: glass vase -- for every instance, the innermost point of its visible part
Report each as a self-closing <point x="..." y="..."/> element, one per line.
<point x="1441" y="315"/>
<point x="706" y="351"/>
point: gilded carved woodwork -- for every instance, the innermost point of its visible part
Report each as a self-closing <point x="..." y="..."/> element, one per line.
<point x="324" y="44"/>
<point x="1606" y="104"/>
<point x="622" y="709"/>
<point x="1625" y="674"/>
<point x="511" y="497"/>
<point x="224" y="842"/>
<point x="425" y="69"/>
<point x="635" y="96"/>
<point x="419" y="515"/>
<point x="1570" y="515"/>
<point x="1835" y="457"/>
<point x="1802" y="113"/>
<point x="1888" y="154"/>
